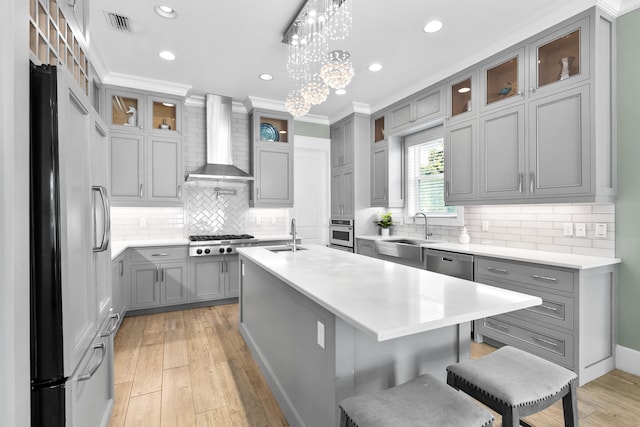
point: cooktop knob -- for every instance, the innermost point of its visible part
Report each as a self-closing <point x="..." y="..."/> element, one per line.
<point x="199" y="251"/>
<point x="229" y="249"/>
<point x="221" y="250"/>
<point x="206" y="251"/>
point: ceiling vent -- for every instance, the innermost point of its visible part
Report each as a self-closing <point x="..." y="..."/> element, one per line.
<point x="119" y="22"/>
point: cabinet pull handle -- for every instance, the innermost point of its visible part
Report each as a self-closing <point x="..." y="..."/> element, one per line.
<point x="179" y="191"/>
<point x="519" y="183"/>
<point x="545" y="278"/>
<point x="547" y="342"/>
<point x="498" y="326"/>
<point x="157" y="274"/>
<point x="140" y="193"/>
<point x="258" y="193"/>
<point x="121" y="268"/>
<point x="88" y="375"/>
<point x="115" y="325"/>
<point x="498" y="270"/>
<point x="532" y="177"/>
<point x="160" y="254"/>
<point x="547" y="307"/>
<point x="446" y="187"/>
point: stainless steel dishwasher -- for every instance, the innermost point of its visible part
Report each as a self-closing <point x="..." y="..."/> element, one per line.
<point x="450" y="263"/>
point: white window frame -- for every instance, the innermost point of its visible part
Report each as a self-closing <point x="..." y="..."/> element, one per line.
<point x="419" y="138"/>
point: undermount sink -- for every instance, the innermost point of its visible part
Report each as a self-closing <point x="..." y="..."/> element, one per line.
<point x="278" y="249"/>
<point x="403" y="247"/>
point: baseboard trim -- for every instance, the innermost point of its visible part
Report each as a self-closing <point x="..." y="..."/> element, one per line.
<point x="628" y="360"/>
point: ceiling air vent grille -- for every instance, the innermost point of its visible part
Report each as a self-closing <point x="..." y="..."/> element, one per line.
<point x="119" y="22"/>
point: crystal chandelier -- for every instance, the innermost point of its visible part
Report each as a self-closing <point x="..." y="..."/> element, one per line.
<point x="312" y="67"/>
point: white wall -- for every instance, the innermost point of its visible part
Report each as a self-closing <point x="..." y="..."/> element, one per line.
<point x="14" y="205"/>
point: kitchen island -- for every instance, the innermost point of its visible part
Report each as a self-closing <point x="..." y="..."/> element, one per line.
<point x="324" y="324"/>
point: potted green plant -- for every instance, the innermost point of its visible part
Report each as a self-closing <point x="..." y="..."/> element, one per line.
<point x="384" y="223"/>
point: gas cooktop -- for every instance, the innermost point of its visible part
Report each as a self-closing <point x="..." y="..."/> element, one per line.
<point x="218" y="244"/>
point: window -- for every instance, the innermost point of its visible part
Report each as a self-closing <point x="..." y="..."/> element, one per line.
<point x="424" y="159"/>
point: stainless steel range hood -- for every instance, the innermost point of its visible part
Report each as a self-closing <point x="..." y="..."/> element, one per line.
<point x="219" y="165"/>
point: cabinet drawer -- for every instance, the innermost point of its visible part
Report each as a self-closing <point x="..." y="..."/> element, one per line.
<point x="532" y="274"/>
<point x="159" y="254"/>
<point x="551" y="345"/>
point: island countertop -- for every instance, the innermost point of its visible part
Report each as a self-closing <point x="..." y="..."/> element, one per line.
<point x="383" y="299"/>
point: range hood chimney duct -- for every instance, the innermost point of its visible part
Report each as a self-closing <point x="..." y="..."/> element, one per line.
<point x="219" y="165"/>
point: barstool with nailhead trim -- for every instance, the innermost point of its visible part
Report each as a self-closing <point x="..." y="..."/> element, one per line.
<point x="515" y="384"/>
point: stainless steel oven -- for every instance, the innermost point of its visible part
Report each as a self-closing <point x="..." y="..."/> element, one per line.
<point x="341" y="232"/>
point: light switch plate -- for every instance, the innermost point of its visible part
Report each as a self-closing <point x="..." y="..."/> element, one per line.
<point x="581" y="229"/>
<point x="567" y="229"/>
<point x="601" y="230"/>
<point x="485" y="225"/>
<point x="320" y="334"/>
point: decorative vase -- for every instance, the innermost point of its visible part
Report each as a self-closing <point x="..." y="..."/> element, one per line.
<point x="464" y="237"/>
<point x="384" y="232"/>
<point x="565" y="62"/>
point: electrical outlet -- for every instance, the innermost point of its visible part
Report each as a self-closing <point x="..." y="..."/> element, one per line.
<point x="581" y="229"/>
<point x="320" y="334"/>
<point x="143" y="222"/>
<point x="485" y="225"/>
<point x="601" y="230"/>
<point x="567" y="229"/>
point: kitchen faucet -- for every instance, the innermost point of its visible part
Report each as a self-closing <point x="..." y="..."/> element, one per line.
<point x="426" y="224"/>
<point x="294" y="246"/>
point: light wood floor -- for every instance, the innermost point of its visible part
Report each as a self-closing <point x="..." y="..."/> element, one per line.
<point x="192" y="368"/>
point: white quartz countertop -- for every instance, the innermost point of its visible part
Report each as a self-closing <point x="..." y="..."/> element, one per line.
<point x="557" y="259"/>
<point x="118" y="247"/>
<point x="383" y="299"/>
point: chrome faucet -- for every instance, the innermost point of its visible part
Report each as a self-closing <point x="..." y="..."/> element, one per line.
<point x="426" y="224"/>
<point x="294" y="246"/>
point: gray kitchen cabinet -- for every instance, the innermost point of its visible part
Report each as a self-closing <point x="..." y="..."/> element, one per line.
<point x="342" y="197"/>
<point x="145" y="289"/>
<point x="127" y="167"/>
<point x="214" y="278"/>
<point x="560" y="144"/>
<point x="502" y="154"/>
<point x="380" y="174"/>
<point x="165" y="169"/>
<point x="125" y="110"/>
<point x="502" y="80"/>
<point x="77" y="13"/>
<point x="120" y="288"/>
<point x="461" y="92"/>
<point x="174" y="279"/>
<point x="417" y="109"/>
<point x="365" y="247"/>
<point x="342" y="144"/>
<point x="460" y="162"/>
<point x="271" y="159"/>
<point x="575" y="324"/>
<point x="163" y="115"/>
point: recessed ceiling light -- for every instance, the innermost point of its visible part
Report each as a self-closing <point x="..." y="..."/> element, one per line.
<point x="375" y="67"/>
<point x="464" y="90"/>
<point x="340" y="92"/>
<point x="165" y="54"/>
<point x="266" y="76"/>
<point x="433" y="26"/>
<point x="168" y="104"/>
<point x="165" y="11"/>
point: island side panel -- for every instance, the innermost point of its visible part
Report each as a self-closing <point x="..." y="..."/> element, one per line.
<point x="280" y="327"/>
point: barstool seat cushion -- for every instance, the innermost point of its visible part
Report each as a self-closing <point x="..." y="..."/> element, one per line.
<point x="514" y="377"/>
<point x="423" y="402"/>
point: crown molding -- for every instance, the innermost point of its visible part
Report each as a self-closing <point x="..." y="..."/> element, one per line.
<point x="201" y="101"/>
<point x="144" y="83"/>
<point x="627" y="6"/>
<point x="313" y="118"/>
<point x="269" y="104"/>
<point x="355" y="107"/>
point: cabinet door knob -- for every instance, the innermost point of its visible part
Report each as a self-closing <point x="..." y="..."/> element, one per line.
<point x="532" y="90"/>
<point x="179" y="191"/>
<point x="532" y="177"/>
<point x="519" y="183"/>
<point x="141" y="191"/>
<point x="520" y="93"/>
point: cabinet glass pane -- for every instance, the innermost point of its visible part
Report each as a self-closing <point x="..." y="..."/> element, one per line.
<point x="274" y="129"/>
<point x="502" y="81"/>
<point x="164" y="115"/>
<point x="124" y="111"/>
<point x="379" y="129"/>
<point x="559" y="59"/>
<point x="461" y="97"/>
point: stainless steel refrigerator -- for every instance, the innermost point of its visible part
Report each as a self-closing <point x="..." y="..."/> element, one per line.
<point x="71" y="341"/>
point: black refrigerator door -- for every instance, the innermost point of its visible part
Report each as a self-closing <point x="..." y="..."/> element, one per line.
<point x="47" y="364"/>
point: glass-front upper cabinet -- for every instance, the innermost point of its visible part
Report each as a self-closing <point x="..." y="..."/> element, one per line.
<point x="502" y="80"/>
<point x="461" y="95"/>
<point x="165" y="115"/>
<point x="125" y="110"/>
<point x="378" y="130"/>
<point x="560" y="57"/>
<point x="272" y="127"/>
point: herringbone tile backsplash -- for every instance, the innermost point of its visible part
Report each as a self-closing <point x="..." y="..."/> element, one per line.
<point x="212" y="209"/>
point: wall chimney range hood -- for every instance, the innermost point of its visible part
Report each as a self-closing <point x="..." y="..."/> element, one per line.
<point x="219" y="165"/>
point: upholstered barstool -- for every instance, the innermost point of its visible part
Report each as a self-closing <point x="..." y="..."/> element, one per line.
<point x="515" y="384"/>
<point x="423" y="402"/>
